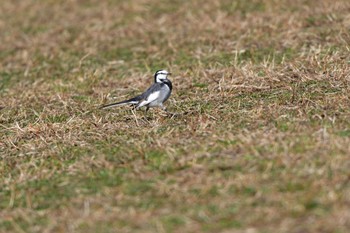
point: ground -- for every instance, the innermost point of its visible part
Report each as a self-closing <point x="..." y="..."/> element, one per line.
<point x="260" y="142"/>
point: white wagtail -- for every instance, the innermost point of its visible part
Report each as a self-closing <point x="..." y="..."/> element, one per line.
<point x="154" y="96"/>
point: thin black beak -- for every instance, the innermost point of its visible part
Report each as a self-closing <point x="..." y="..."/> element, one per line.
<point x="169" y="73"/>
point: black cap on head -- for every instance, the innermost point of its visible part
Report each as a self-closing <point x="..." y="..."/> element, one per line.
<point x="160" y="72"/>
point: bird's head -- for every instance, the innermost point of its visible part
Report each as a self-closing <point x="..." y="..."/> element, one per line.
<point x="160" y="76"/>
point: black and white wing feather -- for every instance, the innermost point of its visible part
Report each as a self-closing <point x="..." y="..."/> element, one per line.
<point x="145" y="98"/>
<point x="132" y="101"/>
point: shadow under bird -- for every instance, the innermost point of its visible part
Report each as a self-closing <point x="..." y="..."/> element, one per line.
<point x="154" y="96"/>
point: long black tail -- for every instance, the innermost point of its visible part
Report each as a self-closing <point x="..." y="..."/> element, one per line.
<point x="132" y="101"/>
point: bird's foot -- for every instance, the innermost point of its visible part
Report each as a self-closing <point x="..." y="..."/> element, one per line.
<point x="170" y="114"/>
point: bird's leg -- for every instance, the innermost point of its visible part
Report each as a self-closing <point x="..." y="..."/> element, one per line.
<point x="163" y="108"/>
<point x="146" y="111"/>
<point x="166" y="110"/>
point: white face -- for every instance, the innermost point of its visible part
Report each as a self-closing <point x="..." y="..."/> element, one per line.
<point x="161" y="75"/>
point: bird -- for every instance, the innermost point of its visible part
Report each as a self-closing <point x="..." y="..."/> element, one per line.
<point x="154" y="96"/>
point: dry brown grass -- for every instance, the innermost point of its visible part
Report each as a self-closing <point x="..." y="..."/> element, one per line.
<point x="261" y="143"/>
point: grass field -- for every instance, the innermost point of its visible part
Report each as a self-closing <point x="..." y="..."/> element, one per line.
<point x="261" y="142"/>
